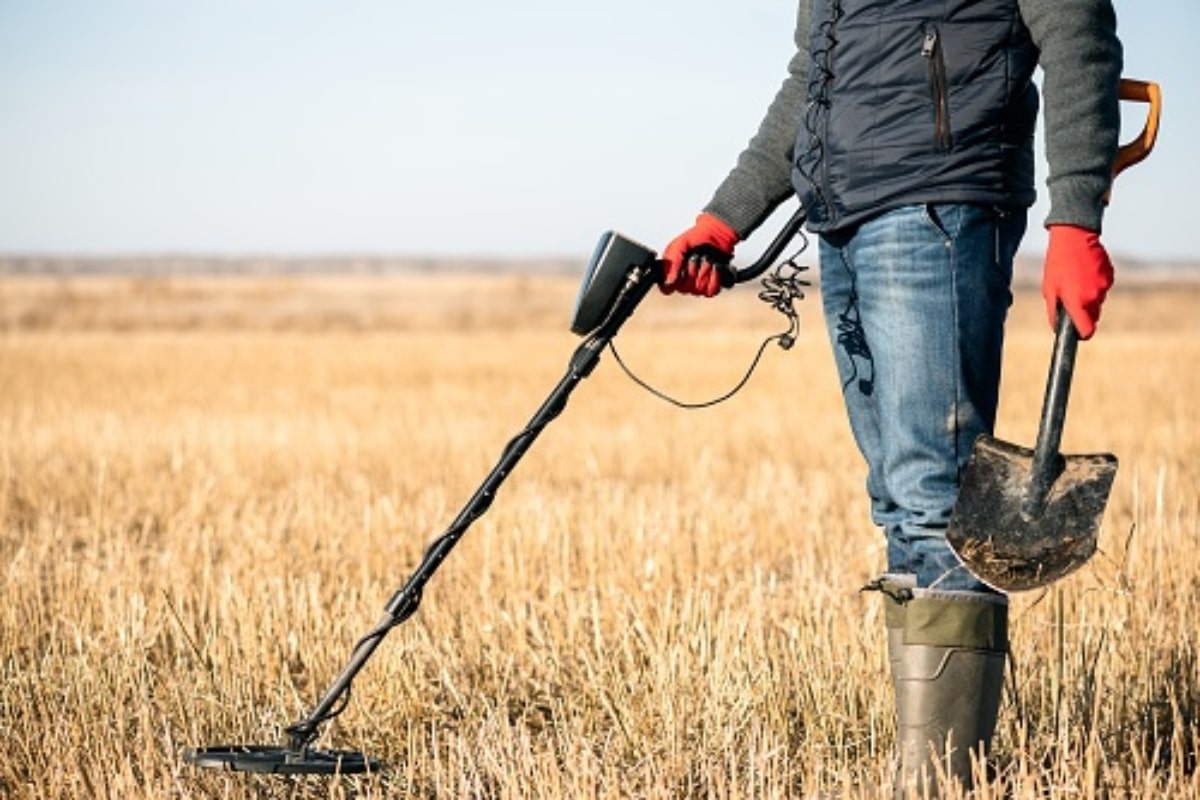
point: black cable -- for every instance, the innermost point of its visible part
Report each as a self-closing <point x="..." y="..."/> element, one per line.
<point x="780" y="290"/>
<point x="853" y="340"/>
<point x="820" y="101"/>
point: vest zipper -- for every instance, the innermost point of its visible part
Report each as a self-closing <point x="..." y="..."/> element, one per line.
<point x="931" y="49"/>
<point x="835" y="13"/>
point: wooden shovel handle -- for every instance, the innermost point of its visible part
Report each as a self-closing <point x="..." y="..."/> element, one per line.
<point x="1133" y="152"/>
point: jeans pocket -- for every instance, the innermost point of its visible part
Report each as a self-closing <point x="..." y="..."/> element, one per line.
<point x="945" y="219"/>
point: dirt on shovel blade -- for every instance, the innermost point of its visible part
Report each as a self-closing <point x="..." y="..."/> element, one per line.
<point x="1015" y="545"/>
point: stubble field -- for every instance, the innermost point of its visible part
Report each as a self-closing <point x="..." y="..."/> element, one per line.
<point x="209" y="489"/>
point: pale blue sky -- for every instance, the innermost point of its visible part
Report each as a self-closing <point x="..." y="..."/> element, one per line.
<point x="469" y="127"/>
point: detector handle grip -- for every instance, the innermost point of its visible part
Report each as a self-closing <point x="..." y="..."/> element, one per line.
<point x="731" y="275"/>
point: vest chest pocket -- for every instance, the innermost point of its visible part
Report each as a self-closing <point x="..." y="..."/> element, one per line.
<point x="931" y="51"/>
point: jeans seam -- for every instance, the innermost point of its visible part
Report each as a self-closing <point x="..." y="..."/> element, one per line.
<point x="958" y="355"/>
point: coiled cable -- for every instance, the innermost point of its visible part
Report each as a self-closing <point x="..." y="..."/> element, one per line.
<point x="781" y="289"/>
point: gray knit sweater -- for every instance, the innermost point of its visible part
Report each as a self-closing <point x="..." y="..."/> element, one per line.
<point x="1081" y="59"/>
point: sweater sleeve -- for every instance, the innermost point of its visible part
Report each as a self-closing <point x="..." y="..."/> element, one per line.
<point x="762" y="177"/>
<point x="1081" y="58"/>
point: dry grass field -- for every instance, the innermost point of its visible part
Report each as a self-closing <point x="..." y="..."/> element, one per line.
<point x="210" y="488"/>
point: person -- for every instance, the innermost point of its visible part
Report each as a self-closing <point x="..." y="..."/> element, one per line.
<point x="907" y="132"/>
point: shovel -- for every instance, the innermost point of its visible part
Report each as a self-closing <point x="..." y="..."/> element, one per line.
<point x="1026" y="518"/>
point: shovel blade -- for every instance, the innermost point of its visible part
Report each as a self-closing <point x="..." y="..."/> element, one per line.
<point x="1012" y="546"/>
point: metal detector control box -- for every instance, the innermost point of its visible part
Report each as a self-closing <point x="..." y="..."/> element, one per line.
<point x="602" y="281"/>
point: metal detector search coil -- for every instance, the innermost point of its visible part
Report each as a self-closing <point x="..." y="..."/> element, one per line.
<point x="274" y="760"/>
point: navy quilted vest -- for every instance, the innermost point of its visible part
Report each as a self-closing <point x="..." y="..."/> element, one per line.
<point x="915" y="102"/>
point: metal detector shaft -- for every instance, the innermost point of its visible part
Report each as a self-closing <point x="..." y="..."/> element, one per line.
<point x="405" y="602"/>
<point x="638" y="281"/>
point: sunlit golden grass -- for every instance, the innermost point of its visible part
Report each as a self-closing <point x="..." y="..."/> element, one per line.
<point x="210" y="488"/>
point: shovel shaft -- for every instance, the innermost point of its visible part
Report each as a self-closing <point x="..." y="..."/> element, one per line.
<point x="1047" y="462"/>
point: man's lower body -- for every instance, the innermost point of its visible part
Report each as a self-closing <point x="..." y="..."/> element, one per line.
<point x="915" y="302"/>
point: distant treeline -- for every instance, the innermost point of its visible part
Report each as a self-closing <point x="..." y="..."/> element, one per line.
<point x="278" y="265"/>
<point x="1027" y="269"/>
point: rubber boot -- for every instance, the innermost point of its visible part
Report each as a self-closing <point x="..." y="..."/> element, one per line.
<point x="948" y="672"/>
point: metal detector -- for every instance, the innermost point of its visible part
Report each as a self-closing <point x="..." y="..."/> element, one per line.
<point x="618" y="276"/>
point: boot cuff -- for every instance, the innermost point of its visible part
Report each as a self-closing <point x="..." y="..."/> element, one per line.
<point x="957" y="619"/>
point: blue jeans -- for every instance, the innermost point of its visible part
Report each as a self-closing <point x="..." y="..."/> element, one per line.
<point x="915" y="302"/>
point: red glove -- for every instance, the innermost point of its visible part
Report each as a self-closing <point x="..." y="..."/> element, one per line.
<point x="1077" y="274"/>
<point x="695" y="273"/>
